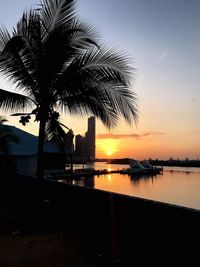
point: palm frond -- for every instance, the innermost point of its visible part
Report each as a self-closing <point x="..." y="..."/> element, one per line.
<point x="20" y="53"/>
<point x="14" y="65"/>
<point x="59" y="50"/>
<point x="26" y="23"/>
<point x="4" y="38"/>
<point x="91" y="97"/>
<point x="10" y="101"/>
<point x="54" y="133"/>
<point x="2" y="120"/>
<point x="83" y="35"/>
<point x="86" y="105"/>
<point x="56" y="12"/>
<point x="19" y="114"/>
<point x="101" y="77"/>
<point x="104" y="64"/>
<point x="22" y="28"/>
<point x="107" y="62"/>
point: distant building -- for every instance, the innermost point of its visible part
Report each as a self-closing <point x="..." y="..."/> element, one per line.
<point x="90" y="138"/>
<point x="80" y="147"/>
<point x="85" y="145"/>
<point x="69" y="144"/>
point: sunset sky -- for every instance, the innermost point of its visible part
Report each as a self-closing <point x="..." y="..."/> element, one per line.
<point x="162" y="37"/>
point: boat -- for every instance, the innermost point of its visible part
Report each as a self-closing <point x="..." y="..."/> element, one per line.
<point x="143" y="167"/>
<point x="135" y="167"/>
<point x="153" y="169"/>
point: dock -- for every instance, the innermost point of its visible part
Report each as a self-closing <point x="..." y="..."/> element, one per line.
<point x="79" y="173"/>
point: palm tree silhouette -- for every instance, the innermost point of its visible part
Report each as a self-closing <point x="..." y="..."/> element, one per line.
<point x="57" y="64"/>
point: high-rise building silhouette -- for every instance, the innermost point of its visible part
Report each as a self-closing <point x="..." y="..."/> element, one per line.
<point x="69" y="146"/>
<point x="80" y="148"/>
<point x="90" y="138"/>
<point x="85" y="145"/>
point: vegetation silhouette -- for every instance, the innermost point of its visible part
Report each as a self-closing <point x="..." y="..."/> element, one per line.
<point x="59" y="65"/>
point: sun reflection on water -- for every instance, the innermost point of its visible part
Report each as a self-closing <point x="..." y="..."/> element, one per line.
<point x="109" y="176"/>
<point x="109" y="168"/>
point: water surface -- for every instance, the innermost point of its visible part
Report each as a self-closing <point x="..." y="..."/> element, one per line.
<point x="177" y="185"/>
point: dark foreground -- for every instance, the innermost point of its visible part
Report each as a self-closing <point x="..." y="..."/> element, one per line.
<point x="83" y="227"/>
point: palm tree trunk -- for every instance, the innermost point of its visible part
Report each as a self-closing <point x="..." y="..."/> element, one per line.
<point x="40" y="159"/>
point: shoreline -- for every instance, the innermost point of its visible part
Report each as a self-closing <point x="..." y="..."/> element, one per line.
<point x="164" y="163"/>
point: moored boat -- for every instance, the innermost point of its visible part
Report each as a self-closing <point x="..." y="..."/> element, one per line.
<point x="143" y="167"/>
<point x="153" y="169"/>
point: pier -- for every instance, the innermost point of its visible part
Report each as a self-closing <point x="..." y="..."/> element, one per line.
<point x="57" y="174"/>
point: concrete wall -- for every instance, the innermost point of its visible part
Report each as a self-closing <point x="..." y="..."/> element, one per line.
<point x="140" y="230"/>
<point x="26" y="165"/>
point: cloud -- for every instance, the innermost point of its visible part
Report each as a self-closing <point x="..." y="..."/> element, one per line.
<point x="133" y="135"/>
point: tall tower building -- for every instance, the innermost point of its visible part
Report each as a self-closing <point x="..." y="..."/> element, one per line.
<point x="90" y="138"/>
<point x="69" y="147"/>
<point x="80" y="147"/>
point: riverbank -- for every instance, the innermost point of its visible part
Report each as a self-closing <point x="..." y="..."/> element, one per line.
<point x="83" y="227"/>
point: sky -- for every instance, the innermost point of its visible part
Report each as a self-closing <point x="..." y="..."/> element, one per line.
<point x="162" y="38"/>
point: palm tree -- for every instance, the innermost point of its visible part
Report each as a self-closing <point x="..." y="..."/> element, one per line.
<point x="57" y="64"/>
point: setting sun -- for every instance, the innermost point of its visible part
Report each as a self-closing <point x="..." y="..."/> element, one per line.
<point x="109" y="152"/>
<point x="107" y="147"/>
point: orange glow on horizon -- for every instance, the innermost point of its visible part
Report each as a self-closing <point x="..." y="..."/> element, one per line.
<point x="107" y="147"/>
<point x="123" y="142"/>
<point x="145" y="148"/>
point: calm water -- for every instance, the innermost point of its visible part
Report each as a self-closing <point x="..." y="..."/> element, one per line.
<point x="177" y="185"/>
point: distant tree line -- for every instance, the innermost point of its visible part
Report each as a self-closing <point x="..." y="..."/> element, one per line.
<point x="176" y="162"/>
<point x="157" y="162"/>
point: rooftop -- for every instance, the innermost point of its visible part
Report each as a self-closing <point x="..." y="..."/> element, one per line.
<point x="27" y="144"/>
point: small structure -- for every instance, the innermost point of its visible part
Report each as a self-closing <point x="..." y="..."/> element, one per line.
<point x="23" y="154"/>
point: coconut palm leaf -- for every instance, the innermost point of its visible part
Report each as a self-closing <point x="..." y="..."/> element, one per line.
<point x="19" y="114"/>
<point x="99" y="76"/>
<point x="55" y="13"/>
<point x="10" y="101"/>
<point x="4" y="38"/>
<point x="2" y="120"/>
<point x="102" y="65"/>
<point x="14" y="64"/>
<point x="83" y="35"/>
<point x="54" y="133"/>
